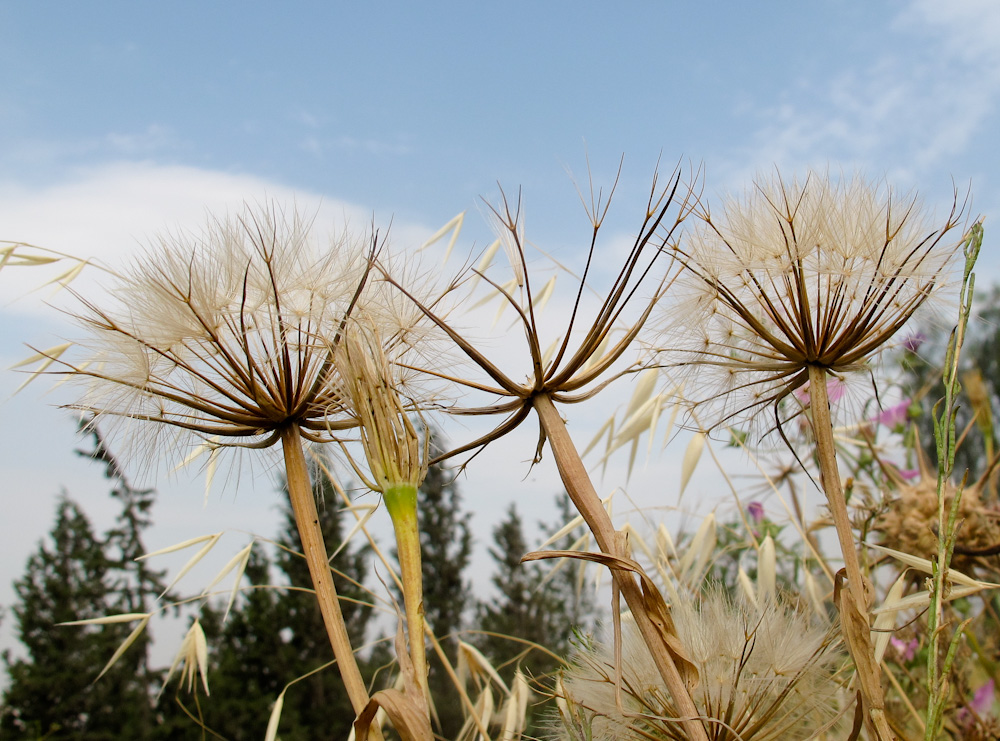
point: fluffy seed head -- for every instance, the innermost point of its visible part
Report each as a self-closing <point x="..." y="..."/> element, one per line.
<point x="232" y="334"/>
<point x="812" y="272"/>
<point x="764" y="673"/>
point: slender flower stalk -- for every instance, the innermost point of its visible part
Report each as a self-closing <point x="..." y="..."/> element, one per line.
<point x="397" y="461"/>
<point x="572" y="375"/>
<point x="798" y="283"/>
<point x="947" y="516"/>
<point x="232" y="338"/>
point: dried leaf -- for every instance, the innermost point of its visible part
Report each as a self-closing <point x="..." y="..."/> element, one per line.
<point x="475" y="658"/>
<point x="608" y="428"/>
<point x="180" y="546"/>
<point x="886" y="619"/>
<point x="23" y="260"/>
<point x="665" y="543"/>
<point x="815" y="595"/>
<point x="193" y="561"/>
<point x="550" y="351"/>
<point x="517" y="705"/>
<point x="596" y="356"/>
<point x="64" y="279"/>
<point x="747" y="586"/>
<point x="408" y="716"/>
<point x="487" y="259"/>
<point x="45" y="358"/>
<point x="922" y="599"/>
<point x="922" y="564"/>
<point x="701" y="547"/>
<point x="369" y="510"/>
<point x="539" y="301"/>
<point x="126" y="617"/>
<point x="238" y="562"/>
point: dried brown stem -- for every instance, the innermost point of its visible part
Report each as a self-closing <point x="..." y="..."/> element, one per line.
<point x="854" y="605"/>
<point x="588" y="503"/>
<point x="301" y="497"/>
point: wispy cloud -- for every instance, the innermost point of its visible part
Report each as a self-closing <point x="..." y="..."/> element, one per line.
<point x="910" y="107"/>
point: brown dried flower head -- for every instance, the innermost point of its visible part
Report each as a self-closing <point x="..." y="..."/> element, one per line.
<point x="909" y="520"/>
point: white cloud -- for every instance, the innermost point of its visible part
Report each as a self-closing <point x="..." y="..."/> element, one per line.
<point x="910" y="108"/>
<point x="968" y="29"/>
<point x="108" y="212"/>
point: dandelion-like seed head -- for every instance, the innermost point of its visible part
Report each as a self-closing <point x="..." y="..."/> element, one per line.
<point x="813" y="272"/>
<point x="232" y="334"/>
<point x="765" y="673"/>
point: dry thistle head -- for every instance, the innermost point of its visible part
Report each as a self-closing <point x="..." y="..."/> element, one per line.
<point x="799" y="273"/>
<point x="232" y="334"/>
<point x="564" y="372"/>
<point x="908" y="520"/>
<point x="765" y="673"/>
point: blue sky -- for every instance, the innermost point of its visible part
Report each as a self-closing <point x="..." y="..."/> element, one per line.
<point x="122" y="119"/>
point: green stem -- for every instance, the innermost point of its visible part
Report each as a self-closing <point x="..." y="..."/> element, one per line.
<point x="401" y="501"/>
<point x="944" y="434"/>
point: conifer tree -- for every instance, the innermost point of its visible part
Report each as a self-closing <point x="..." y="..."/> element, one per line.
<point x="52" y="690"/>
<point x="275" y="634"/>
<point x="135" y="586"/>
<point x="546" y="614"/>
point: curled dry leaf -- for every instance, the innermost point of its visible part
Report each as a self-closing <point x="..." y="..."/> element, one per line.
<point x="653" y="603"/>
<point x="407" y="709"/>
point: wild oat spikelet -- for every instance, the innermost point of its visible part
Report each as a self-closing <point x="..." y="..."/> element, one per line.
<point x="799" y="273"/>
<point x="764" y="675"/>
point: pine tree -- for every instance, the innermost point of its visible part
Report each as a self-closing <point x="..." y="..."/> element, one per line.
<point x="52" y="692"/>
<point x="530" y="607"/>
<point x="446" y="548"/>
<point x="251" y="661"/>
<point x="525" y="609"/>
<point x="135" y="586"/>
<point x="276" y="635"/>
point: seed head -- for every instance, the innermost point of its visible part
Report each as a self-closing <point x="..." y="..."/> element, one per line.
<point x="799" y="273"/>
<point x="764" y="673"/>
<point x="232" y="334"/>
